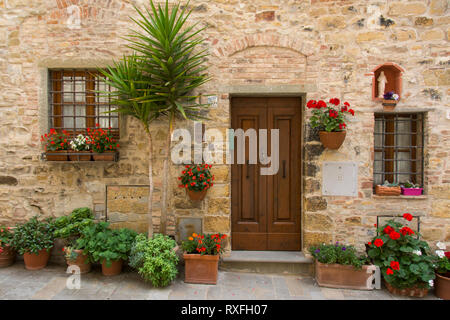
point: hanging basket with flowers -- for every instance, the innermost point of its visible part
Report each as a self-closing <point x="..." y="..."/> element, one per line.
<point x="330" y="119"/>
<point x="56" y="145"/>
<point x="197" y="179"/>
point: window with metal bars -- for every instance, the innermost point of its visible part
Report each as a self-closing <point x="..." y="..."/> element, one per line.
<point x="399" y="143"/>
<point x="75" y="103"/>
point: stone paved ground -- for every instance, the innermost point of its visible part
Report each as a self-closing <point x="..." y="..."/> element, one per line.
<point x="50" y="283"/>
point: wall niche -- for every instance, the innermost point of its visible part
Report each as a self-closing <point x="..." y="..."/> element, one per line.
<point x="392" y="79"/>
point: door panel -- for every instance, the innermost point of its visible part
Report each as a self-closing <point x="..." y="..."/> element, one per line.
<point x="266" y="209"/>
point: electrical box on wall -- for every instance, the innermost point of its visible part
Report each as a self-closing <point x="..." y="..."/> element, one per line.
<point x="340" y="179"/>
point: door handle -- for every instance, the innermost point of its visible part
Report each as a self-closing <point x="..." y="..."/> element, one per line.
<point x="246" y="171"/>
<point x="284" y="169"/>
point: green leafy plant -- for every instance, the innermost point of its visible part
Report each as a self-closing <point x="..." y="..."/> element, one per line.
<point x="102" y="243"/>
<point x="441" y="260"/>
<point x="55" y="141"/>
<point x="102" y="140"/>
<point x="388" y="184"/>
<point x="34" y="236"/>
<point x="71" y="226"/>
<point x="6" y="236"/>
<point x="409" y="184"/>
<point x="196" y="177"/>
<point x="210" y="244"/>
<point x="155" y="259"/>
<point x="403" y="258"/>
<point x="339" y="254"/>
<point x="330" y="117"/>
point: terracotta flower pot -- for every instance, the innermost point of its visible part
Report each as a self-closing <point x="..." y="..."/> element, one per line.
<point x="80" y="261"/>
<point x="197" y="195"/>
<point x="343" y="276"/>
<point x="7" y="256"/>
<point x="36" y="261"/>
<point x="387" y="191"/>
<point x="332" y="140"/>
<point x="55" y="156"/>
<point x="409" y="292"/>
<point x="114" y="269"/>
<point x="201" y="269"/>
<point x="442" y="286"/>
<point x="75" y="156"/>
<point x="105" y="156"/>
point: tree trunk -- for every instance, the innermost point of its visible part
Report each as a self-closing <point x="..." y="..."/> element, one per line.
<point x="150" y="183"/>
<point x="166" y="175"/>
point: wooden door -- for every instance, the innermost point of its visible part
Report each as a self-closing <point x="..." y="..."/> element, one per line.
<point x="266" y="209"/>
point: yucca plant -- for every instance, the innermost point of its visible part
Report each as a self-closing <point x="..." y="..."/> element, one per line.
<point x="158" y="80"/>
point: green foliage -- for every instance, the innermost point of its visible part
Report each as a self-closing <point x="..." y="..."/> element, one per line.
<point x="155" y="259"/>
<point x="338" y="253"/>
<point x="33" y="236"/>
<point x="6" y="236"/>
<point x="210" y="244"/>
<point x="70" y="226"/>
<point x="409" y="184"/>
<point x="388" y="184"/>
<point x="397" y="244"/>
<point x="102" y="243"/>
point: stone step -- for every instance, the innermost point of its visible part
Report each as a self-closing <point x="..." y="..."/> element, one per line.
<point x="278" y="262"/>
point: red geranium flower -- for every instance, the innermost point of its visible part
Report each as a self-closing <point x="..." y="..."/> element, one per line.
<point x="395" y="265"/>
<point x="321" y="104"/>
<point x="447" y="254"/>
<point x="407" y="216"/>
<point x="351" y="111"/>
<point x="405" y="230"/>
<point x="388" y="230"/>
<point x="378" y="242"/>
<point x="394" y="235"/>
<point x="389" y="271"/>
<point x="312" y="104"/>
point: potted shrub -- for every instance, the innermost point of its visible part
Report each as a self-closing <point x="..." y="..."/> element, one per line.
<point x="68" y="229"/>
<point x="102" y="144"/>
<point x="404" y="260"/>
<point x="411" y="189"/>
<point x="34" y="239"/>
<point x="107" y="246"/>
<point x="388" y="189"/>
<point x="56" y="145"/>
<point x="201" y="257"/>
<point x="331" y="119"/>
<point x="340" y="266"/>
<point x="442" y="271"/>
<point x="80" y="144"/>
<point x="390" y="100"/>
<point x="155" y="259"/>
<point x="7" y="251"/>
<point x="197" y="179"/>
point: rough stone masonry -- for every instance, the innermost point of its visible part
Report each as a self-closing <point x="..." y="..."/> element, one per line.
<point x="322" y="48"/>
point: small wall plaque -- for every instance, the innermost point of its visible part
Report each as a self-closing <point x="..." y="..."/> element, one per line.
<point x="340" y="179"/>
<point x="212" y="101"/>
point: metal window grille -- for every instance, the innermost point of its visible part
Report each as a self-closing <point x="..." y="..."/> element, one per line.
<point x="75" y="104"/>
<point x="399" y="148"/>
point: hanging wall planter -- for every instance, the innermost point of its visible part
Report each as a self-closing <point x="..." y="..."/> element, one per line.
<point x="331" y="120"/>
<point x="332" y="140"/>
<point x="197" y="179"/>
<point x="196" y="195"/>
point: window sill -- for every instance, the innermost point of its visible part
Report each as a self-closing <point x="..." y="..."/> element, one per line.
<point x="422" y="197"/>
<point x="80" y="157"/>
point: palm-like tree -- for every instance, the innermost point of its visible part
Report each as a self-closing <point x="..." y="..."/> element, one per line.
<point x="175" y="69"/>
<point x="159" y="79"/>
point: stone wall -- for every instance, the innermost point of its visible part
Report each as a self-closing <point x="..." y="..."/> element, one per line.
<point x="316" y="48"/>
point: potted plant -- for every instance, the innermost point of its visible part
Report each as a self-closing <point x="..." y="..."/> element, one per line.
<point x="68" y="230"/>
<point x="201" y="257"/>
<point x="411" y="189"/>
<point x="197" y="179"/>
<point x="388" y="189"/>
<point x="55" y="143"/>
<point x="331" y="119"/>
<point x="155" y="259"/>
<point x="390" y="100"/>
<point x="107" y="246"/>
<point x="7" y="251"/>
<point x="442" y="271"/>
<point x="102" y="143"/>
<point x="404" y="260"/>
<point x="340" y="266"/>
<point x="80" y="144"/>
<point x="34" y="239"/>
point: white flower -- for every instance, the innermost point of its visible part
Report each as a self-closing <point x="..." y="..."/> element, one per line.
<point x="418" y="252"/>
<point x="440" y="245"/>
<point x="395" y="96"/>
<point x="440" y="253"/>
<point x="431" y="283"/>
